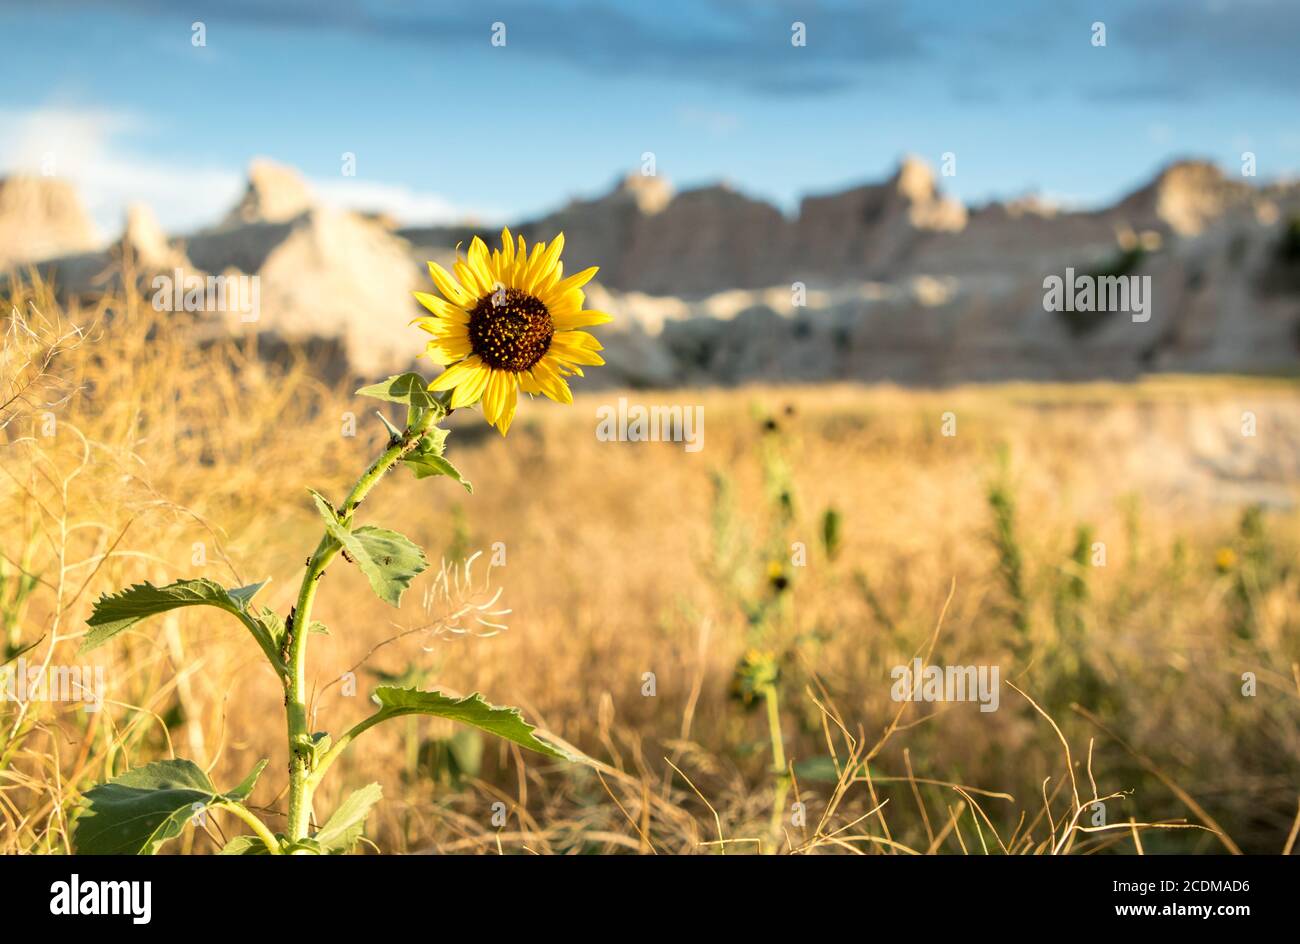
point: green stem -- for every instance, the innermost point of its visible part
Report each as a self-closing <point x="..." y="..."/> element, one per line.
<point x="268" y="838"/>
<point x="301" y="785"/>
<point x="781" y="789"/>
<point x="338" y="747"/>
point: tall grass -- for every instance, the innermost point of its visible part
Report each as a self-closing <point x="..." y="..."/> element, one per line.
<point x="167" y="458"/>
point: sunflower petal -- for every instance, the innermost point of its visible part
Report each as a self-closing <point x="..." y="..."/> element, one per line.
<point x="457" y="373"/>
<point x="480" y="262"/>
<point x="469" y="392"/>
<point x="548" y="279"/>
<point x="507" y="251"/>
<point x="539" y="266"/>
<point x="527" y="384"/>
<point x="509" y="400"/>
<point x="580" y="319"/>
<point x="448" y="350"/>
<point x="441" y="308"/>
<point x="470" y="279"/>
<point x="552" y="384"/>
<point x="492" y="397"/>
<point x="450" y="289"/>
<point x="580" y="340"/>
<point x="577" y="280"/>
<point x="576" y="355"/>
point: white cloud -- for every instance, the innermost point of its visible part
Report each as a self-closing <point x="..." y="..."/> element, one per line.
<point x="403" y="204"/>
<point x="85" y="146"/>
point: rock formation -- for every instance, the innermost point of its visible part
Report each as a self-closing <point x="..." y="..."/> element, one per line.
<point x="274" y="194"/>
<point x="895" y="280"/>
<point x="868" y="231"/>
<point x="40" y="217"/>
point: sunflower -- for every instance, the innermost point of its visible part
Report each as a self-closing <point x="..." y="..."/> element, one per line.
<point x="507" y="322"/>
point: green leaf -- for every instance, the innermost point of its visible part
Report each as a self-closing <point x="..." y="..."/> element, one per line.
<point x="427" y="460"/>
<point x="245" y="788"/>
<point x="472" y="710"/>
<point x="342" y="830"/>
<point x="134" y="814"/>
<point x="19" y="651"/>
<point x="412" y="389"/>
<point x="409" y="388"/>
<point x="393" y="431"/>
<point x="389" y="560"/>
<point x="137" y="812"/>
<point x="244" y="845"/>
<point x="433" y="442"/>
<point x="449" y="760"/>
<point x="821" y="768"/>
<point x="116" y="612"/>
<point x="428" y="466"/>
<point x="275" y="626"/>
<point x="304" y="845"/>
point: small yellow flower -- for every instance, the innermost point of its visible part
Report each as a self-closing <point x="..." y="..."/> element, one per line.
<point x="1225" y="559"/>
<point x="756" y="670"/>
<point x="777" y="578"/>
<point x="507" y="322"/>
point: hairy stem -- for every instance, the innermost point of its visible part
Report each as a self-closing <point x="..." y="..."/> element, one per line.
<point x="268" y="838"/>
<point x="300" y="784"/>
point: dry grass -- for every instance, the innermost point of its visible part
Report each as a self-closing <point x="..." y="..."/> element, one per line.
<point x="1121" y="682"/>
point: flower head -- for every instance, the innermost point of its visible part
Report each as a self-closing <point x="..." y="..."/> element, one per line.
<point x="508" y="321"/>
<point x="1225" y="559"/>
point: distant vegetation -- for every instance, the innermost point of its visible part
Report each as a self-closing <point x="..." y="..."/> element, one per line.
<point x="663" y="620"/>
<point x="1125" y="261"/>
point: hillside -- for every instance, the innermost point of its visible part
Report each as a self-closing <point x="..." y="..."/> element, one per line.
<point x="884" y="281"/>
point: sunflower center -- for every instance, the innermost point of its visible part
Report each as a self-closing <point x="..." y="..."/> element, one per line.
<point x="510" y="330"/>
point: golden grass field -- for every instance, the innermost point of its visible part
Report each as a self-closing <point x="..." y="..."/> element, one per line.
<point x="166" y="461"/>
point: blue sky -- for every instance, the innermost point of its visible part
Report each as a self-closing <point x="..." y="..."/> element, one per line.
<point x="444" y="124"/>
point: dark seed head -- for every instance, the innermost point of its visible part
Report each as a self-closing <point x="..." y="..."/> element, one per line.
<point x="510" y="330"/>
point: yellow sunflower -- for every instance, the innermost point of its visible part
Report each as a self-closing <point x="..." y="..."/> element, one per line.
<point x="507" y="322"/>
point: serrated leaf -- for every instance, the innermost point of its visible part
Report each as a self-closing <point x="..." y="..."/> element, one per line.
<point x="116" y="612"/>
<point x="134" y="814"/>
<point x="473" y="710"/>
<point x="137" y="812"/>
<point x="433" y="442"/>
<point x="409" y="388"/>
<point x="244" y="845"/>
<point x="389" y="560"/>
<point x="342" y="830"/>
<point x="396" y="560"/>
<point x="427" y="466"/>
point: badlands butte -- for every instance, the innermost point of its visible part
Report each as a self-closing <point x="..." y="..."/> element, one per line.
<point x="889" y="281"/>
